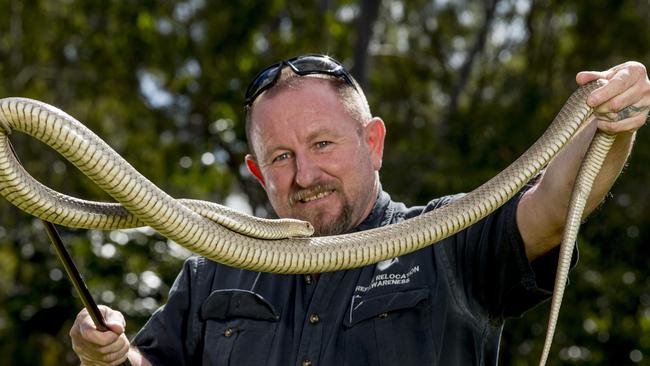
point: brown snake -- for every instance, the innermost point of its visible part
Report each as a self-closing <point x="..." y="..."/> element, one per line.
<point x="263" y="245"/>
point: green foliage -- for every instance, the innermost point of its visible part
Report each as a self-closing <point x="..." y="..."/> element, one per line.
<point x="162" y="83"/>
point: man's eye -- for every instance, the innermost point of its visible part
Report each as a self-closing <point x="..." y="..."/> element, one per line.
<point x="322" y="144"/>
<point x="281" y="157"/>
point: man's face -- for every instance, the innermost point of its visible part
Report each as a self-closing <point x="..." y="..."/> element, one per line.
<point x="314" y="160"/>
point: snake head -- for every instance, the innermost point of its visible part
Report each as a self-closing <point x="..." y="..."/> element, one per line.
<point x="309" y="228"/>
<point x="303" y="229"/>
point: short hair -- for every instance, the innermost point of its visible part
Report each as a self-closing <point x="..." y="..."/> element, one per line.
<point x="351" y="97"/>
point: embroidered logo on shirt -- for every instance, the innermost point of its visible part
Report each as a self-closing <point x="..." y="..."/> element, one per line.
<point x="383" y="265"/>
<point x="389" y="279"/>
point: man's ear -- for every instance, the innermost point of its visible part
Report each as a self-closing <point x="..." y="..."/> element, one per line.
<point x="375" y="134"/>
<point x="251" y="163"/>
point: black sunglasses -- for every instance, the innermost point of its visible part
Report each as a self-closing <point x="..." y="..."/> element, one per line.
<point x="301" y="65"/>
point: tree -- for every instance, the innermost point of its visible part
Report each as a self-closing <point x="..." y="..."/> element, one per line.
<point x="464" y="88"/>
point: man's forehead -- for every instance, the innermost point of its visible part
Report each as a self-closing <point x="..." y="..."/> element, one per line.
<point x="304" y="98"/>
<point x="292" y="83"/>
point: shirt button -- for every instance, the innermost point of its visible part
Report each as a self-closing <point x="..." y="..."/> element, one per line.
<point x="228" y="332"/>
<point x="308" y="279"/>
<point x="306" y="363"/>
<point x="314" y="318"/>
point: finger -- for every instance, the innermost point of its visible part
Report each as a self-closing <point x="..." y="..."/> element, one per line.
<point x="87" y="360"/>
<point x="619" y="78"/>
<point x="121" y="355"/>
<point x="84" y="330"/>
<point x="114" y="347"/>
<point x="95" y="345"/>
<point x="90" y="334"/>
<point x="623" y="114"/>
<point x="628" y="125"/>
<point x="111" y="354"/>
<point x="97" y="338"/>
<point x="628" y="103"/>
<point x="75" y="329"/>
<point x="584" y="77"/>
<point x="617" y="84"/>
<point x="628" y="97"/>
<point x="115" y="321"/>
<point x="633" y="101"/>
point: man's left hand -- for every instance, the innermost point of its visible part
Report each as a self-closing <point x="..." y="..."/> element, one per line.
<point x="623" y="103"/>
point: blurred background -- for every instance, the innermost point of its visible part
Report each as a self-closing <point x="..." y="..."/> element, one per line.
<point x="463" y="86"/>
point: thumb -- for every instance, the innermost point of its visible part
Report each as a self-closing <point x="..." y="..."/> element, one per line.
<point x="114" y="321"/>
<point x="116" y="328"/>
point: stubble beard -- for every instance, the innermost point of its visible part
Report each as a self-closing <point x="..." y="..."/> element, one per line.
<point x="326" y="226"/>
<point x="339" y="225"/>
<point x="323" y="226"/>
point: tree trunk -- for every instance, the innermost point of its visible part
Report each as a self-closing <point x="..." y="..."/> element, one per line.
<point x="366" y="21"/>
<point x="465" y="73"/>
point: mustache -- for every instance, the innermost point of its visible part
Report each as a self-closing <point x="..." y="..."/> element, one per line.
<point x="314" y="190"/>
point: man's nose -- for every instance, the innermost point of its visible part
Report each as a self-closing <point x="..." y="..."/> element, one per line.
<point x="307" y="171"/>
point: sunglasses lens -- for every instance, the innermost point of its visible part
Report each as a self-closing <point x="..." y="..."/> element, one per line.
<point x="263" y="81"/>
<point x="315" y="64"/>
<point x="301" y="65"/>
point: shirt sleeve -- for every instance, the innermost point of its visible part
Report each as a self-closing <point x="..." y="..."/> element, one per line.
<point x="164" y="338"/>
<point x="491" y="271"/>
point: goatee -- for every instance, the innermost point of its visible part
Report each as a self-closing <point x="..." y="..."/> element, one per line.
<point x="340" y="225"/>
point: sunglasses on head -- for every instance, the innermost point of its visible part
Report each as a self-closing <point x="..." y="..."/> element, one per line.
<point x="301" y="65"/>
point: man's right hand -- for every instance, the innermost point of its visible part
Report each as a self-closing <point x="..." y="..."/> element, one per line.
<point x="100" y="348"/>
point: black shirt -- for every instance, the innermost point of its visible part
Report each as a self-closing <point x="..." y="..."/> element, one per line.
<point x="441" y="305"/>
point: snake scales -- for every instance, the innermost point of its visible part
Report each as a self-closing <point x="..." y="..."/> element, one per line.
<point x="264" y="245"/>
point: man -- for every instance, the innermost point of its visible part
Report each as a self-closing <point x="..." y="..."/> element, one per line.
<point x="317" y="151"/>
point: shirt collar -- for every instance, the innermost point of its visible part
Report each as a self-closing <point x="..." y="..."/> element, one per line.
<point x="378" y="215"/>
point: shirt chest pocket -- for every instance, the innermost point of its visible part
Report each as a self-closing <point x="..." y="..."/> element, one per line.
<point x="390" y="329"/>
<point x="239" y="327"/>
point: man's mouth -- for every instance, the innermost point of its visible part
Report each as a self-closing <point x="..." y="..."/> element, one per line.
<point x="309" y="195"/>
<point x="315" y="197"/>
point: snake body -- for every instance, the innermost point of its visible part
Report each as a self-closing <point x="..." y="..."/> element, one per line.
<point x="61" y="209"/>
<point x="193" y="226"/>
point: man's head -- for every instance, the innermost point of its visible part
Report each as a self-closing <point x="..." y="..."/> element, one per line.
<point x="315" y="147"/>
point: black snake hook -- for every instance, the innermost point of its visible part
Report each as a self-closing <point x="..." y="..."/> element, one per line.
<point x="73" y="273"/>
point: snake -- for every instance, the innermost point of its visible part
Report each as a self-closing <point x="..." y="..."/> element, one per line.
<point x="278" y="246"/>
